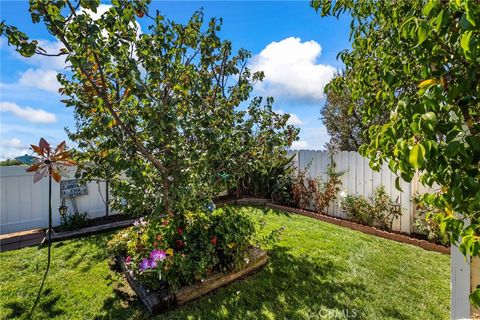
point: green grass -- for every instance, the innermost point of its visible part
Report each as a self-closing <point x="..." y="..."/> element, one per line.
<point x="316" y="271"/>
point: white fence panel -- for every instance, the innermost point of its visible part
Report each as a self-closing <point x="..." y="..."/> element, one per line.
<point x="24" y="204"/>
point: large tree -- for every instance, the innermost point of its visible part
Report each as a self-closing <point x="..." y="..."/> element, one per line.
<point x="420" y="62"/>
<point x="344" y="120"/>
<point x="168" y="108"/>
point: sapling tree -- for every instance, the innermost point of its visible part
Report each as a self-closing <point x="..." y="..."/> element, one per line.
<point x="168" y="106"/>
<point x="420" y="62"/>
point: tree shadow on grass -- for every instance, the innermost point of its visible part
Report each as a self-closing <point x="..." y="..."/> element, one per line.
<point x="288" y="287"/>
<point x="47" y="307"/>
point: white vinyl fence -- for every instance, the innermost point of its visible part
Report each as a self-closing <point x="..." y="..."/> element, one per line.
<point x="24" y="204"/>
<point x="360" y="179"/>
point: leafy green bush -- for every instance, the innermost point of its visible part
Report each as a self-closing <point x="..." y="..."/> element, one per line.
<point x="270" y="179"/>
<point x="358" y="208"/>
<point x="74" y="221"/>
<point x="173" y="252"/>
<point x="427" y="224"/>
<point x="378" y="212"/>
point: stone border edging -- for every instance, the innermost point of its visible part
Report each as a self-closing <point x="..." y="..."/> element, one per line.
<point x="344" y="223"/>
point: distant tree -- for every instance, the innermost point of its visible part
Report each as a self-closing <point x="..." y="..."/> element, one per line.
<point x="343" y="117"/>
<point x="10" y="162"/>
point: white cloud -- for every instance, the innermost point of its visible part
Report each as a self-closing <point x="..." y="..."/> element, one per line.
<point x="12" y="148"/>
<point x="316" y="137"/>
<point x="101" y="9"/>
<point x="39" y="78"/>
<point x="297" y="145"/>
<point x="27" y="113"/>
<point x="12" y="143"/>
<point x="294" y="120"/>
<point x="48" y="62"/>
<point x="291" y="70"/>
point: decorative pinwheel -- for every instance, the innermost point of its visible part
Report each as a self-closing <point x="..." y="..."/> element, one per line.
<point x="52" y="163"/>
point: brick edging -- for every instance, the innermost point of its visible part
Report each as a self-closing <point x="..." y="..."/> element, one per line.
<point x="344" y="223"/>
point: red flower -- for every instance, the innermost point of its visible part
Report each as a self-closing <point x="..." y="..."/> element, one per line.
<point x="155" y="243"/>
<point x="165" y="222"/>
<point x="180" y="231"/>
<point x="159" y="237"/>
<point x="213" y="240"/>
<point x="179" y="244"/>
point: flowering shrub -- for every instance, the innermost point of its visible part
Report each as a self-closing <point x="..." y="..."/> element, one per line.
<point x="378" y="212"/>
<point x="314" y="191"/>
<point x="167" y="251"/>
<point x="427" y="222"/>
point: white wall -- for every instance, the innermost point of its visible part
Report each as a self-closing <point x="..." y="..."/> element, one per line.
<point x="24" y="204"/>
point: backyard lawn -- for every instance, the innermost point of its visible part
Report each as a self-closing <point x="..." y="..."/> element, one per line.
<point x="316" y="271"/>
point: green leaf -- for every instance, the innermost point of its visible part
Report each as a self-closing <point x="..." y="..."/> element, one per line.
<point x="475" y="298"/>
<point x="474" y="142"/>
<point x="440" y="20"/>
<point x="428" y="8"/>
<point x="452" y="148"/>
<point x="465" y="40"/>
<point x="417" y="155"/>
<point x="422" y="32"/>
<point x="430" y="117"/>
<point x="397" y="184"/>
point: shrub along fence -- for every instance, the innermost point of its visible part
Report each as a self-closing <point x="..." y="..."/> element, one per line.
<point x="360" y="179"/>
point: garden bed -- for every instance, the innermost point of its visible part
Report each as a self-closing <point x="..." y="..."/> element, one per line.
<point x="164" y="300"/>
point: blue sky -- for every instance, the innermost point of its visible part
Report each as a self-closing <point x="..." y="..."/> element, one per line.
<point x="293" y="46"/>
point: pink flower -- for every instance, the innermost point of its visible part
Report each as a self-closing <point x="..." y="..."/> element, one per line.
<point x="156" y="255"/>
<point x="180" y="231"/>
<point x="128" y="259"/>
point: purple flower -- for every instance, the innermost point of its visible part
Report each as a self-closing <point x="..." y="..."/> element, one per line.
<point x="144" y="265"/>
<point x="152" y="264"/>
<point x="156" y="255"/>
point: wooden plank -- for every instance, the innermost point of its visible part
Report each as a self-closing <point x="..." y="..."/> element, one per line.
<point x="91" y="230"/>
<point x="257" y="258"/>
<point x="352" y="172"/>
